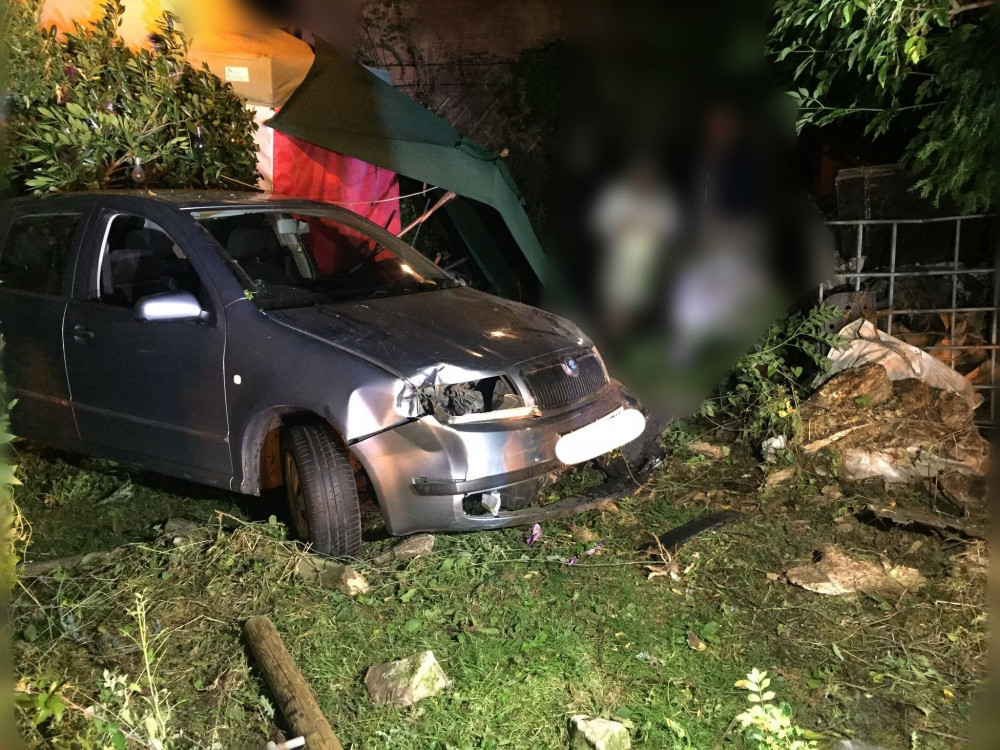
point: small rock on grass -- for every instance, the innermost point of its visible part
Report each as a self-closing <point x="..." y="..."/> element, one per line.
<point x="594" y="733"/>
<point x="182" y="531"/>
<point x="402" y="683"/>
<point x="708" y="450"/>
<point x="419" y="545"/>
<point x="331" y="575"/>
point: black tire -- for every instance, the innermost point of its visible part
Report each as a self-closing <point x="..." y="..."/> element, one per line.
<point x="320" y="489"/>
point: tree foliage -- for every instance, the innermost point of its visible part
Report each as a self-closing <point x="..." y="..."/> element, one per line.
<point x="83" y="110"/>
<point x="879" y="60"/>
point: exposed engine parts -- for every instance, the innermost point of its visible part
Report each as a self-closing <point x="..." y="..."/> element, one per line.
<point x="488" y="394"/>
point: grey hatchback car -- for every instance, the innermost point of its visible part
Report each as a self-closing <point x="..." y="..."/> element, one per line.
<point x="253" y="341"/>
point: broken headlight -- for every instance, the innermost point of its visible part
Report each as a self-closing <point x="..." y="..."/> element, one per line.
<point x="477" y="401"/>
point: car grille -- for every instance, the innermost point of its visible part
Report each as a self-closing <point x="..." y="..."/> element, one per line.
<point x="551" y="386"/>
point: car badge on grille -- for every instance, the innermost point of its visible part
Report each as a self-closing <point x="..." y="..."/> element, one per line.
<point x="571" y="368"/>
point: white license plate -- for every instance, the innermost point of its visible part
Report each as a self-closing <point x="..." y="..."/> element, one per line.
<point x="621" y="426"/>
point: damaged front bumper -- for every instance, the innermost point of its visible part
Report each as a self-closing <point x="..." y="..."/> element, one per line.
<point x="430" y="476"/>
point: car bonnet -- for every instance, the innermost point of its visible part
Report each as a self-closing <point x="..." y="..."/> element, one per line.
<point x="446" y="334"/>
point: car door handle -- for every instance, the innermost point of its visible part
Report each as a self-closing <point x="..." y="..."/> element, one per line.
<point x="82" y="334"/>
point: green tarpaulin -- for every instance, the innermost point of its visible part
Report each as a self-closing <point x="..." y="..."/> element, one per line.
<point x="343" y="107"/>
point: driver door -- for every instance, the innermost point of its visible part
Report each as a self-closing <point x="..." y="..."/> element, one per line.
<point x="147" y="392"/>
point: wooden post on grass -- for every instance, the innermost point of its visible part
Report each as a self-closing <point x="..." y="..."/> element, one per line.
<point x="295" y="700"/>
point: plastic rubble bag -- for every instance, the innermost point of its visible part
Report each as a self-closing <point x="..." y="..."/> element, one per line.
<point x="865" y="345"/>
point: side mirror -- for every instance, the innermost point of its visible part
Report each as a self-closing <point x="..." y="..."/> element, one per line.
<point x="168" y="306"/>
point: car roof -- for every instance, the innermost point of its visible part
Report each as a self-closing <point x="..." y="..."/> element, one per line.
<point x="185" y="200"/>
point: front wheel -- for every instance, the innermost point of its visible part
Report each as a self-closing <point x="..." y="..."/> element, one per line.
<point x="322" y="495"/>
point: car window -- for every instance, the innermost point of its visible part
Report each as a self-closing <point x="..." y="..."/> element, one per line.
<point x="34" y="256"/>
<point x="292" y="258"/>
<point x="139" y="259"/>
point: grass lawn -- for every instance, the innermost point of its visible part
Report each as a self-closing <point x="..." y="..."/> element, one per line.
<point x="526" y="638"/>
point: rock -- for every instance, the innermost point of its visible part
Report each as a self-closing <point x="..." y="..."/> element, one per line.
<point x="838" y="574"/>
<point x="182" y="531"/>
<point x="594" y="733"/>
<point x="419" y="545"/>
<point x="331" y="575"/>
<point x="708" y="450"/>
<point x="402" y="683"/>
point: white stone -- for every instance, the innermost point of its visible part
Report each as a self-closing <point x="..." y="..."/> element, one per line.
<point x="594" y="733"/>
<point x="402" y="683"/>
<point x="419" y="545"/>
<point x="331" y="575"/>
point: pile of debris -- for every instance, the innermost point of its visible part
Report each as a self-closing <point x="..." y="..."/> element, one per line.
<point x="892" y="411"/>
<point x="901" y="430"/>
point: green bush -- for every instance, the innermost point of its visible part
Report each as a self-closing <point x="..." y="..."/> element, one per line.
<point x="83" y="111"/>
<point x="761" y="395"/>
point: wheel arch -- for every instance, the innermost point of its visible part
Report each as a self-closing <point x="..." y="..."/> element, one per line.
<point x="260" y="448"/>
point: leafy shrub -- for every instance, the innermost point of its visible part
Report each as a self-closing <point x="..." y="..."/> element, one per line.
<point x="126" y="713"/>
<point x="766" y="725"/>
<point x="761" y="396"/>
<point x="84" y="111"/>
<point x="13" y="528"/>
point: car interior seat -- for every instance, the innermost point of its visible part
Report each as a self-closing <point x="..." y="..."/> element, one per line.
<point x="259" y="255"/>
<point x="147" y="265"/>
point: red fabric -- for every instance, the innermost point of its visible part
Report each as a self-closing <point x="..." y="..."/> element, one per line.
<point x="308" y="171"/>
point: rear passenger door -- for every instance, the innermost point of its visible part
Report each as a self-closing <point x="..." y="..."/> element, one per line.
<point x="36" y="264"/>
<point x="150" y="392"/>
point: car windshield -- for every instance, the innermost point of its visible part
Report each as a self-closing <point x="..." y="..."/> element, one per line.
<point x="297" y="258"/>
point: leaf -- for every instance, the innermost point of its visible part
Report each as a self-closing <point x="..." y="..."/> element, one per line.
<point x="679" y="731"/>
<point x="56" y="705"/>
<point x="695" y="642"/>
<point x="709" y="632"/>
<point x="411" y="626"/>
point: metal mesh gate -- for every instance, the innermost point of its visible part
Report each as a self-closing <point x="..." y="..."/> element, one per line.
<point x="929" y="282"/>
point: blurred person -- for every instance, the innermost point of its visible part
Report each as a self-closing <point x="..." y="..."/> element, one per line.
<point x="724" y="276"/>
<point x="635" y="219"/>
